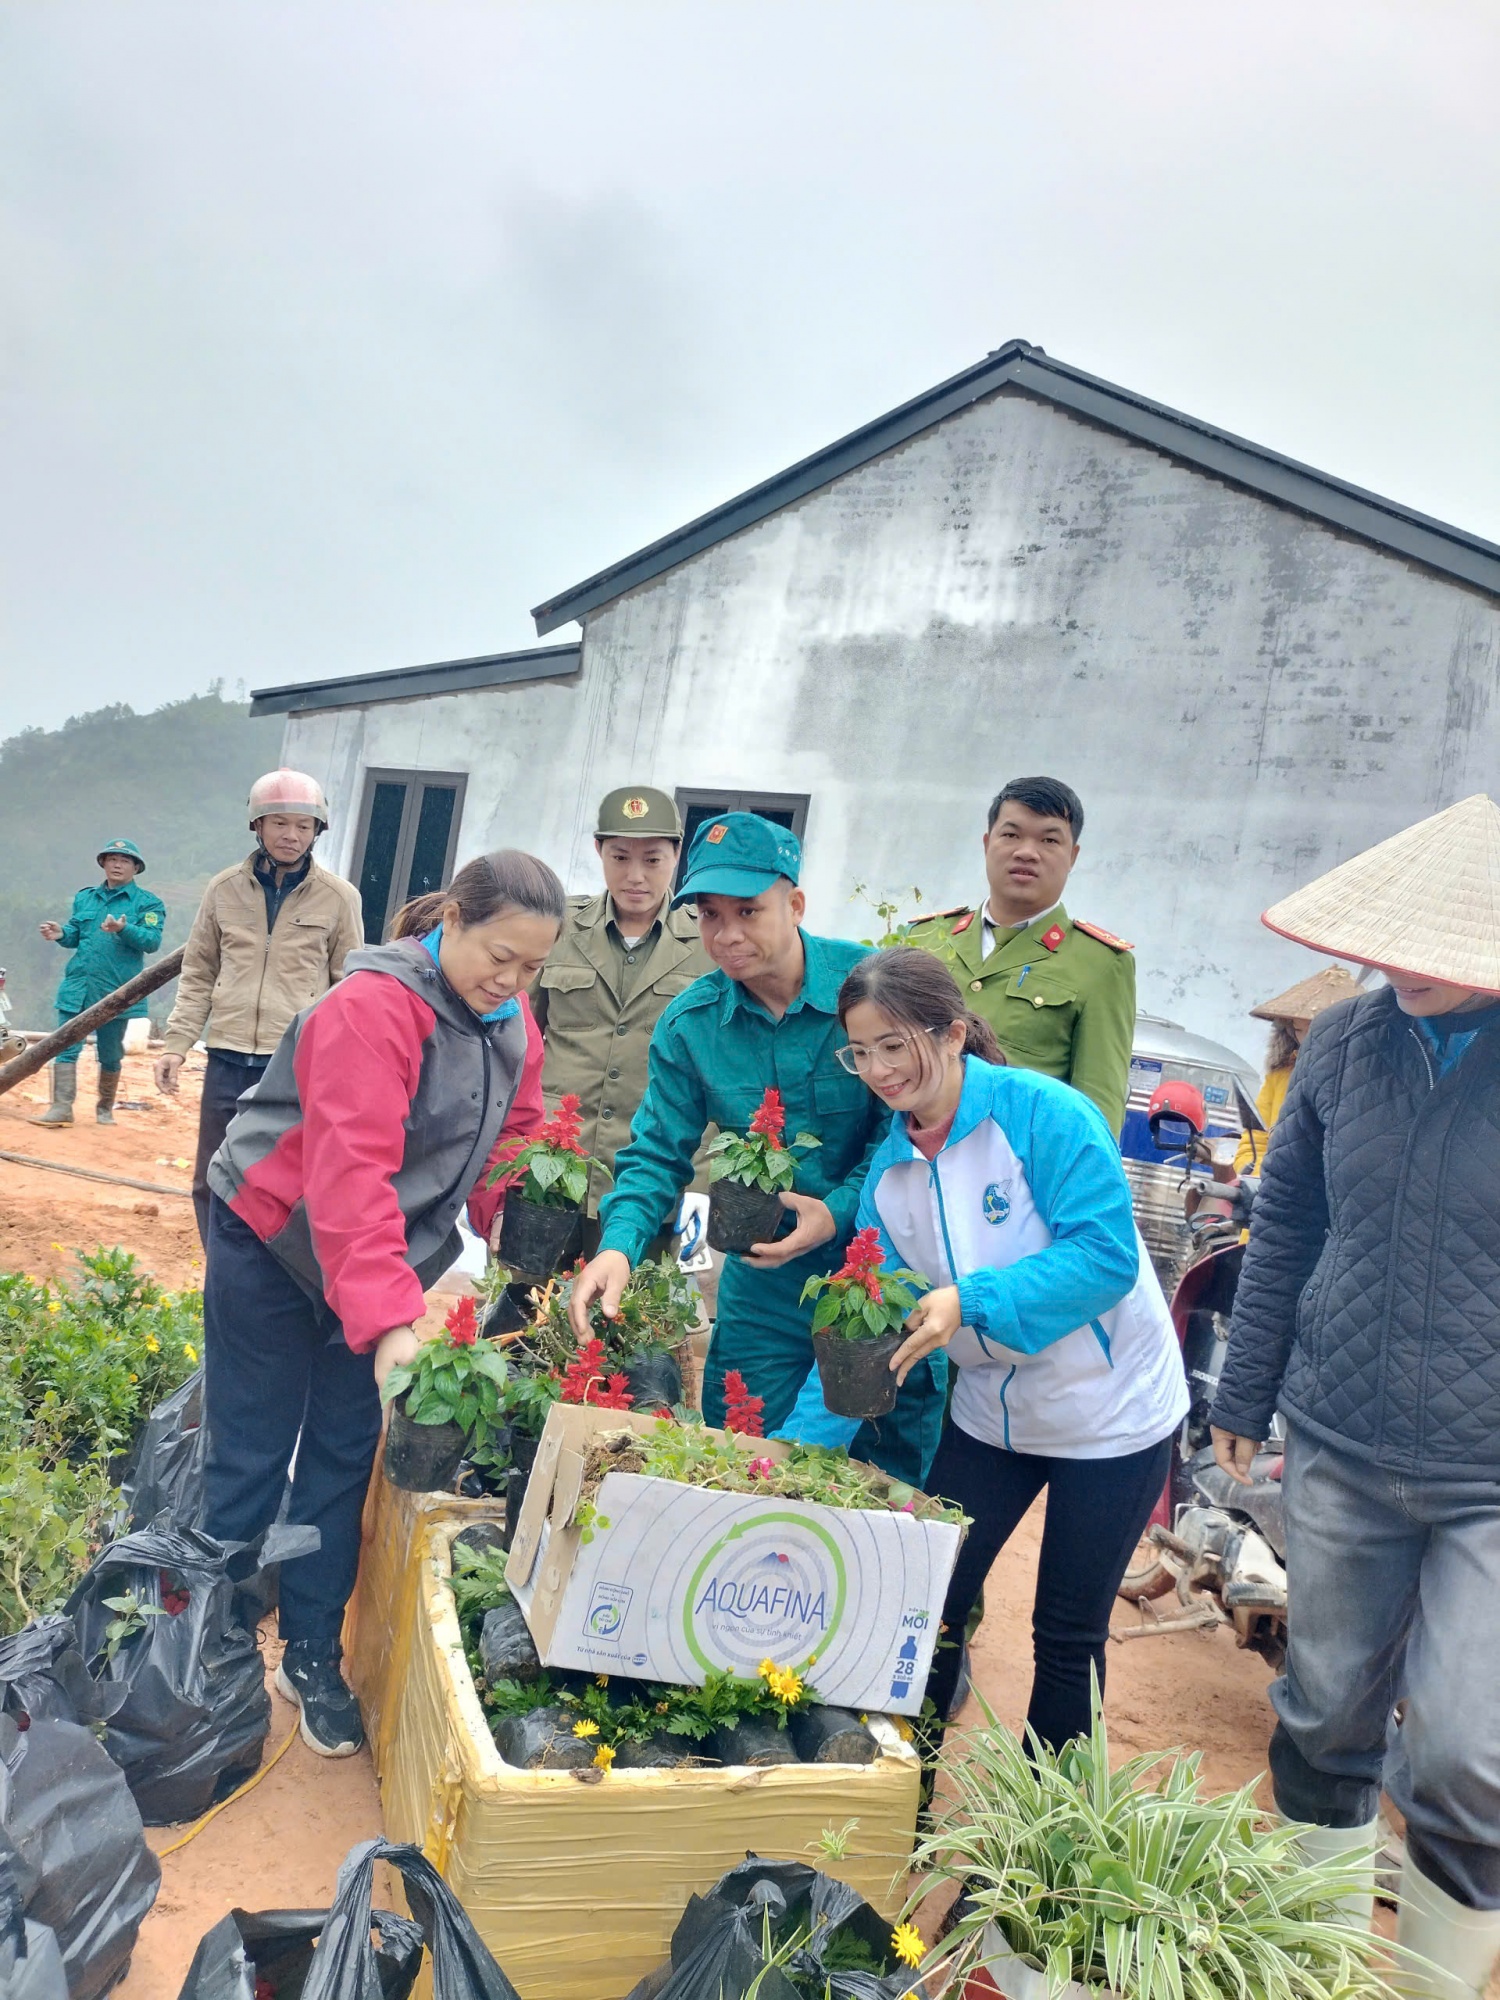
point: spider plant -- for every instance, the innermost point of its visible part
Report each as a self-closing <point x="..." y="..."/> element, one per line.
<point x="1132" y="1879"/>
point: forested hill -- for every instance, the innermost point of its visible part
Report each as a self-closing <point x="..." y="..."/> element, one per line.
<point x="174" y="782"/>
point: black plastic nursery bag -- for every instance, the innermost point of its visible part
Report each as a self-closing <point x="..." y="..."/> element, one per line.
<point x="267" y="1955"/>
<point x="82" y="1863"/>
<point x="192" y="1712"/>
<point x="31" y="1966"/>
<point x="42" y="1674"/>
<point x="165" y="1473"/>
<point x="344" y="1966"/>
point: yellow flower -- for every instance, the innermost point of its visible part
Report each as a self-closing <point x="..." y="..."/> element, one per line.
<point x="766" y="1669"/>
<point x="190" y="1351"/>
<point x="58" y="1247"/>
<point x="786" y="1687"/>
<point x="601" y="1680"/>
<point x="604" y="1756"/>
<point x="906" y="1943"/>
<point x="54" y="1305"/>
<point x="585" y="1728"/>
<point x="153" y="1345"/>
<point x="135" y="1378"/>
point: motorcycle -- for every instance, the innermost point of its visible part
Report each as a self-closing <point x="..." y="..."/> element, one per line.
<point x="1218" y="1548"/>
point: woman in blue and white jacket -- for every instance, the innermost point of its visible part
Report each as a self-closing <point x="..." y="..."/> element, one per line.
<point x="1005" y="1189"/>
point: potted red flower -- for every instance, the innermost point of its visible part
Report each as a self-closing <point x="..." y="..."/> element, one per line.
<point x="446" y="1401"/>
<point x="749" y="1175"/>
<point x="857" y="1327"/>
<point x="547" y="1183"/>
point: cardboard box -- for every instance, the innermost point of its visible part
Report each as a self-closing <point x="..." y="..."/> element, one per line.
<point x="685" y="1579"/>
<point x="577" y="1886"/>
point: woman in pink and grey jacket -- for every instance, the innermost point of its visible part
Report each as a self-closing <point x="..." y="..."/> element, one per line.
<point x="334" y="1204"/>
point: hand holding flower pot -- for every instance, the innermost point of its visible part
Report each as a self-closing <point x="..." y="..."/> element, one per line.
<point x="445" y="1401"/>
<point x="547" y="1179"/>
<point x="749" y="1176"/>
<point x="857" y="1327"/>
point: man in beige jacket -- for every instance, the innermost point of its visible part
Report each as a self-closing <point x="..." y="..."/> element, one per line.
<point x="270" y="937"/>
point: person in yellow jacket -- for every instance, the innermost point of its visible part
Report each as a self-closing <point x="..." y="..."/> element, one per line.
<point x="1291" y="1015"/>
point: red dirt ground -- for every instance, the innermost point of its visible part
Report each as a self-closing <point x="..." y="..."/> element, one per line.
<point x="280" y="1846"/>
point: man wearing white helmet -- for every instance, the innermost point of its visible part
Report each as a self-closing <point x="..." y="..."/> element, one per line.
<point x="270" y="937"/>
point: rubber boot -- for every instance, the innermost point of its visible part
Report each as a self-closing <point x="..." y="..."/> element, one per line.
<point x="109" y="1084"/>
<point x="64" y="1092"/>
<point x="1460" y="1945"/>
<point x="1356" y="1845"/>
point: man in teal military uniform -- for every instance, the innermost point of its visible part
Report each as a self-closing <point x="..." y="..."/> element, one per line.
<point x="1059" y="994"/>
<point x="767" y="1016"/>
<point x="113" y="926"/>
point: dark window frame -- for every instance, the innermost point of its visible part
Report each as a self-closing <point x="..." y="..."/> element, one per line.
<point x="712" y="800"/>
<point x="417" y="783"/>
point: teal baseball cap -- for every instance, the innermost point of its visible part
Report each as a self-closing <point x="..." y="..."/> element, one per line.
<point x="738" y="854"/>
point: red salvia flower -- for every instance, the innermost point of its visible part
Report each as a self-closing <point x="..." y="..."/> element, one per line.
<point x="584" y="1380"/>
<point x="742" y="1411"/>
<point x="863" y="1259"/>
<point x="769" y="1121"/>
<point x="564" y="1128"/>
<point x="462" y="1326"/>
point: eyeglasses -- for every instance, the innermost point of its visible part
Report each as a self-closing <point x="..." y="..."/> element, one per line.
<point x="888" y="1051"/>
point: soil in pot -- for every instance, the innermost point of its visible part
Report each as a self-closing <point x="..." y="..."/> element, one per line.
<point x="658" y="1753"/>
<point x="753" y="1742"/>
<point x="832" y="1736"/>
<point x="422" y="1458"/>
<point x="543" y="1740"/>
<point x="535" y="1240"/>
<point x="507" y="1651"/>
<point x="739" y="1216"/>
<point x="856" y="1374"/>
<point x="655" y="1382"/>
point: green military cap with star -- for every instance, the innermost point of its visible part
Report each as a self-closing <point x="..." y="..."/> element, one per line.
<point x="122" y="847"/>
<point x="638" y="812"/>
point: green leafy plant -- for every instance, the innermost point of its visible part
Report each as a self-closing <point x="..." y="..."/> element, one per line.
<point x="455" y="1378"/>
<point x="888" y="909"/>
<point x="131" y="1616"/>
<point x="658" y="1310"/>
<point x="860" y="1301"/>
<point x="760" y="1158"/>
<point x="53" y="1520"/>
<point x="551" y="1170"/>
<point x="1134" y="1880"/>
<point x="726" y="1699"/>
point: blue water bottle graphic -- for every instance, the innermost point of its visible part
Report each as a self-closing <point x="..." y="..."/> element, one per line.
<point x="906" y="1668"/>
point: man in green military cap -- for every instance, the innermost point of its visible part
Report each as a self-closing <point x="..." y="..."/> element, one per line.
<point x="621" y="958"/>
<point x="766" y="1017"/>
<point x="1059" y="994"/>
<point x="114" y="924"/>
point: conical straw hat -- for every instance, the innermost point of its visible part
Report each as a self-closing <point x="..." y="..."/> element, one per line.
<point x="1309" y="996"/>
<point x="1426" y="901"/>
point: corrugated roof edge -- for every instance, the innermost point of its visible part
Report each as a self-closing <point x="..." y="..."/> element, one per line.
<point x="534" y="663"/>
<point x="1018" y="364"/>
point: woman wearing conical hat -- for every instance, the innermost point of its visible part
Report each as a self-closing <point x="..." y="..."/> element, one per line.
<point x="1368" y="1313"/>
<point x="1291" y="1014"/>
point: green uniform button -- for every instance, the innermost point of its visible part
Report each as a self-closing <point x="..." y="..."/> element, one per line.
<point x="1037" y="1000"/>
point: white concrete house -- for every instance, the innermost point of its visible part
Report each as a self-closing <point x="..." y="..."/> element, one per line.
<point x="1248" y="670"/>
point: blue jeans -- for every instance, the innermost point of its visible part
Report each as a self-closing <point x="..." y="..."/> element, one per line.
<point x="109" y="1041"/>
<point x="278" y="1378"/>
<point x="1393" y="1589"/>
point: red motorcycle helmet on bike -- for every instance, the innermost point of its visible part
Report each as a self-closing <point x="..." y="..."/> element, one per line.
<point x="1176" y="1115"/>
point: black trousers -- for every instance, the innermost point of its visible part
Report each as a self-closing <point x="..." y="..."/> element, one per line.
<point x="1097" y="1510"/>
<point x="278" y="1378"/>
<point x="222" y="1083"/>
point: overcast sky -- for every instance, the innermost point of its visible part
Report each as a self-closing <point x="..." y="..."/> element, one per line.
<point x="337" y="335"/>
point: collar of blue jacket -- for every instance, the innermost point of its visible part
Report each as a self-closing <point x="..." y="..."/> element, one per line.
<point x="430" y="944"/>
<point x="822" y="976"/>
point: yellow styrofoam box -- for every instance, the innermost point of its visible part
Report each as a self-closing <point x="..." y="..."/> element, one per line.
<point x="378" y="1624"/>
<point x="576" y="1886"/>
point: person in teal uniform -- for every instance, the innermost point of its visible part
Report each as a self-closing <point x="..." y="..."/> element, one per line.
<point x="767" y="1016"/>
<point x="113" y="925"/>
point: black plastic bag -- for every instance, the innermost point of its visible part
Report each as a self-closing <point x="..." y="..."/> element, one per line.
<point x="82" y="1863"/>
<point x="165" y="1473"/>
<point x="194" y="1714"/>
<point x="31" y="1966"/>
<point x="250" y="1951"/>
<point x="42" y="1675"/>
<point x="719" y="1945"/>
<point x="343" y="1967"/>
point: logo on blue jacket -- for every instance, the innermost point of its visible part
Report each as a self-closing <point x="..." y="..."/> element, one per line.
<point x="996" y="1203"/>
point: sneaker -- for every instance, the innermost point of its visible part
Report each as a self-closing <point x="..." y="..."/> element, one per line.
<point x="309" y="1675"/>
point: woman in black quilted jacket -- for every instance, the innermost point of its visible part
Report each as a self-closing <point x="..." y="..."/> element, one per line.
<point x="1368" y="1313"/>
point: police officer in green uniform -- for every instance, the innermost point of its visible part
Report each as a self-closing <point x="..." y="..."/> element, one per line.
<point x="621" y="957"/>
<point x="766" y="1016"/>
<point x="113" y="926"/>
<point x="1059" y="994"/>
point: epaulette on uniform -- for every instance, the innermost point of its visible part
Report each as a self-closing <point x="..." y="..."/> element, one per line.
<point x="1104" y="936"/>
<point x="939" y="916"/>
